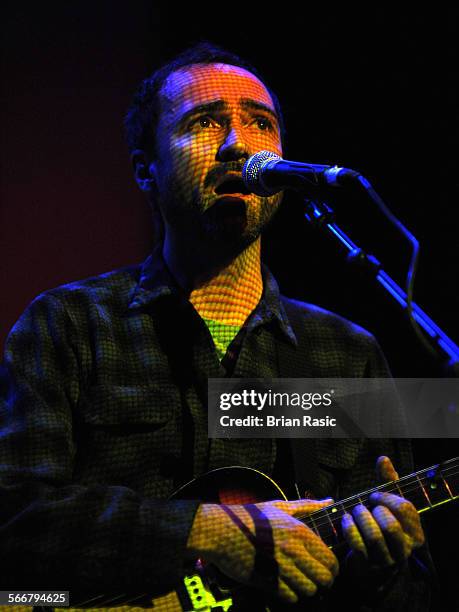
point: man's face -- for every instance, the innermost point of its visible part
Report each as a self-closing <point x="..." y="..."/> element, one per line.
<point x="213" y="117"/>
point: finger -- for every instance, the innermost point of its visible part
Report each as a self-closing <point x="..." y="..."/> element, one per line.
<point x="378" y="552"/>
<point x="353" y="536"/>
<point x="404" y="511"/>
<point x="385" y="470"/>
<point x="317" y="548"/>
<point x="399" y="543"/>
<point x="308" y="566"/>
<point x="285" y="593"/>
<point x="300" y="583"/>
<point x="305" y="507"/>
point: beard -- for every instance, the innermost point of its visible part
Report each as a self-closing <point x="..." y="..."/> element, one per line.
<point x="222" y="225"/>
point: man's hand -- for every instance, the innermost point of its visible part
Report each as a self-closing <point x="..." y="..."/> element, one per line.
<point x="387" y="533"/>
<point x="265" y="546"/>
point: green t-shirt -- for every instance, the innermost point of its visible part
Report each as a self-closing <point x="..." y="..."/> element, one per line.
<point x="222" y="335"/>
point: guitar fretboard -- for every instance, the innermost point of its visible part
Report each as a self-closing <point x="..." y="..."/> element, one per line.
<point x="425" y="489"/>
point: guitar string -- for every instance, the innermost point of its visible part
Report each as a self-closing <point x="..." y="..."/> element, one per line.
<point x="333" y="519"/>
<point x="351" y="502"/>
<point x="409" y="480"/>
<point x="406" y="481"/>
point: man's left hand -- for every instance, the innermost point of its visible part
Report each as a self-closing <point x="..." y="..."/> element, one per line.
<point x="386" y="533"/>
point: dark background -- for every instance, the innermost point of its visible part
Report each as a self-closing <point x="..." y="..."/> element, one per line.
<point x="370" y="89"/>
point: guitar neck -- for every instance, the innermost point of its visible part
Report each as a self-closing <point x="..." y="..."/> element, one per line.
<point x="426" y="489"/>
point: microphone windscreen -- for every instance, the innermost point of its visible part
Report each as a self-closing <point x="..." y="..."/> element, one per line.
<point x="252" y="172"/>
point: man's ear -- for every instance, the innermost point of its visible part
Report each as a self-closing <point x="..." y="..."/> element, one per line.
<point x="144" y="170"/>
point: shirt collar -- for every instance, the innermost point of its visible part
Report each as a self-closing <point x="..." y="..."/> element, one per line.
<point x="270" y="307"/>
<point x="156" y="281"/>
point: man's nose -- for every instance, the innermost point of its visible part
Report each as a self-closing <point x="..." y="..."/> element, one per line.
<point x="233" y="148"/>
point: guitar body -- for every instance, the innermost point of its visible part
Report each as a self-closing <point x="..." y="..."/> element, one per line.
<point x="205" y="588"/>
<point x="231" y="485"/>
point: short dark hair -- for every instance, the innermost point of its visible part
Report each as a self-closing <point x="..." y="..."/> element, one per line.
<point x="142" y="116"/>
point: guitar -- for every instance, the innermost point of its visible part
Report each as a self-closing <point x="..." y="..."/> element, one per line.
<point x="204" y="588"/>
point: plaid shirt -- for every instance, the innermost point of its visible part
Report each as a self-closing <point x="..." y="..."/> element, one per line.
<point x="105" y="383"/>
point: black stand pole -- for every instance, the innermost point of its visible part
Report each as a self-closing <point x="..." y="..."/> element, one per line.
<point x="322" y="216"/>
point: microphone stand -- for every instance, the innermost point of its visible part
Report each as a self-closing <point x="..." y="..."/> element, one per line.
<point x="321" y="216"/>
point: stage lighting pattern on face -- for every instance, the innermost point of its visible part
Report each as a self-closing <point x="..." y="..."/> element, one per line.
<point x="213" y="118"/>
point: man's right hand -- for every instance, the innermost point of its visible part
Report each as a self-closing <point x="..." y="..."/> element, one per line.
<point x="265" y="546"/>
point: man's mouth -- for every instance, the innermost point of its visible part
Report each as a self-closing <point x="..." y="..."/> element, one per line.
<point x="231" y="184"/>
<point x="230" y="211"/>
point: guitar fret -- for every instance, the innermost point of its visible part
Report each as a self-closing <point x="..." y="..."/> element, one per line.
<point x="314" y="526"/>
<point x="447" y="486"/>
<point x="400" y="492"/>
<point x="415" y="494"/>
<point x="438" y="486"/>
<point x="424" y="491"/>
<point x="335" y="533"/>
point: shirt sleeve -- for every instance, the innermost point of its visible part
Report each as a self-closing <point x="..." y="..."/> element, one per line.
<point x="56" y="534"/>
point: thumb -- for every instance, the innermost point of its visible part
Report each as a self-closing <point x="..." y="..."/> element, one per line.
<point x="305" y="506"/>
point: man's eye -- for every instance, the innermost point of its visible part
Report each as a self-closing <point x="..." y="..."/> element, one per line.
<point x="264" y="124"/>
<point x="203" y="122"/>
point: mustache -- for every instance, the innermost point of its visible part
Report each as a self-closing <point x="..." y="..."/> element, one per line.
<point x="215" y="174"/>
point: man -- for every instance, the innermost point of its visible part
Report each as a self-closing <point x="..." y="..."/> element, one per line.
<point x="106" y="385"/>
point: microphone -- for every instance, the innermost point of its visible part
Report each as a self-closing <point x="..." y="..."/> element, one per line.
<point x="265" y="174"/>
